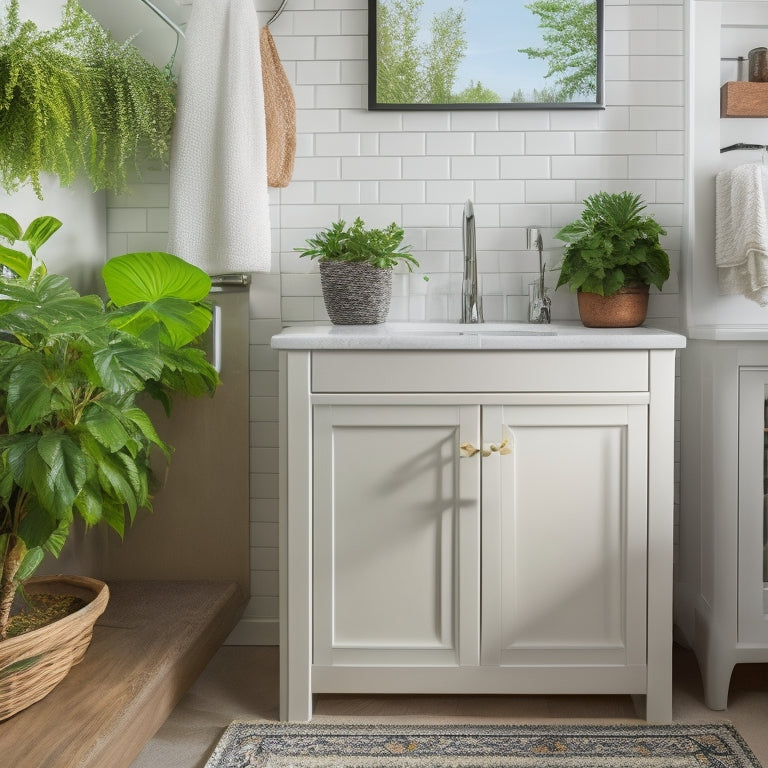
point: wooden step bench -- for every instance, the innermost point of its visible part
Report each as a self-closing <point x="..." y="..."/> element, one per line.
<point x="148" y="647"/>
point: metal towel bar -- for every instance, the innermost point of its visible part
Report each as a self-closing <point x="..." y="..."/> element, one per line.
<point x="230" y="279"/>
<point x="180" y="33"/>
<point x="742" y="145"/>
<point x="175" y="27"/>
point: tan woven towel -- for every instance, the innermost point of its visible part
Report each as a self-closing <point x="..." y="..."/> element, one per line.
<point x="280" y="107"/>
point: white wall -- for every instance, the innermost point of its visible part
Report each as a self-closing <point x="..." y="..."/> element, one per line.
<point x="521" y="168"/>
<point x="78" y="248"/>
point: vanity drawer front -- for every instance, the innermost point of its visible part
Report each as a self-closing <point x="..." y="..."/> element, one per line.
<point x="492" y="371"/>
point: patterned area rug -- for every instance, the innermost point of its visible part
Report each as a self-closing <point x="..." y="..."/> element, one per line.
<point x="292" y="745"/>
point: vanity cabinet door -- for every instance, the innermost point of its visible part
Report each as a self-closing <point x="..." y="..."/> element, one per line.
<point x="753" y="506"/>
<point x="396" y="535"/>
<point x="564" y="536"/>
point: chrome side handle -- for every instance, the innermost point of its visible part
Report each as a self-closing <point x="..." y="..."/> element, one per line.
<point x="215" y="332"/>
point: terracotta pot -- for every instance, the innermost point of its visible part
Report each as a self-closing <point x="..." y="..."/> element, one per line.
<point x="626" y="308"/>
<point x="33" y="664"/>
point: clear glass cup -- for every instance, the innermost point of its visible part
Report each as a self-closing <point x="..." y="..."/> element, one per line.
<point x="539" y="303"/>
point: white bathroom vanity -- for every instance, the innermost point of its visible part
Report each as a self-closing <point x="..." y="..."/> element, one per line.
<point x="476" y="509"/>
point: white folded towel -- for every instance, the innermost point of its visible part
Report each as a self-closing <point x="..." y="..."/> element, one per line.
<point x="219" y="203"/>
<point x="741" y="232"/>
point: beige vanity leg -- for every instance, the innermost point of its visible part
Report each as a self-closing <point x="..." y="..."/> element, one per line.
<point x="661" y="457"/>
<point x="296" y="528"/>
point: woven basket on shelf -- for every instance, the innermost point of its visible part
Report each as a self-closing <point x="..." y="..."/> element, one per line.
<point x="34" y="663"/>
<point x="355" y="293"/>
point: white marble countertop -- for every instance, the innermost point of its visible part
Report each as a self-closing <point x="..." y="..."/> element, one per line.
<point x="485" y="336"/>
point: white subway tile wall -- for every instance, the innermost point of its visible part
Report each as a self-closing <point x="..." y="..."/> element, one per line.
<point x="521" y="167"/>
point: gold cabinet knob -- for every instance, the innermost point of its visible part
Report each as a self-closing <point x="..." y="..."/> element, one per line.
<point x="503" y="448"/>
<point x="467" y="450"/>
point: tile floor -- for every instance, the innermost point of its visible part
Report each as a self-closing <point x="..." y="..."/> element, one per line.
<point x="241" y="682"/>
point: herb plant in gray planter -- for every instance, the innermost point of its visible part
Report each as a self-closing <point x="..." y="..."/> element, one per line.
<point x="356" y="269"/>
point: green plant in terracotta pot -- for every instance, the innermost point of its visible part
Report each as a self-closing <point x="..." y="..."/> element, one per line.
<point x="75" y="441"/>
<point x="611" y="257"/>
<point x="356" y="264"/>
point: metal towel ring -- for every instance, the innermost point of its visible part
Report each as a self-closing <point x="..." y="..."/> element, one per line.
<point x="276" y="14"/>
<point x="179" y="32"/>
<point x="175" y="27"/>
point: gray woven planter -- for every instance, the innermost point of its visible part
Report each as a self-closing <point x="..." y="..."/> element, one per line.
<point x="355" y="293"/>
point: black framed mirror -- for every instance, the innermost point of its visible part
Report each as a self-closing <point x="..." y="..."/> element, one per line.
<point x="485" y="54"/>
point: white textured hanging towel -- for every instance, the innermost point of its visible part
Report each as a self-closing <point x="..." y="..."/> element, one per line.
<point x="741" y="232"/>
<point x="219" y="203"/>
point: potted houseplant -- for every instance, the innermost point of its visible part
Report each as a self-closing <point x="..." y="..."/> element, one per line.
<point x="611" y="257"/>
<point x="356" y="269"/>
<point x="74" y="440"/>
<point x="75" y="101"/>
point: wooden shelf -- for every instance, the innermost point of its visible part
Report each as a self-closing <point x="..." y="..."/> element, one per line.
<point x="148" y="647"/>
<point x="744" y="99"/>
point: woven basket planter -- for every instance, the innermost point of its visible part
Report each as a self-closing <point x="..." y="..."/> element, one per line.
<point x="33" y="664"/>
<point x="355" y="293"/>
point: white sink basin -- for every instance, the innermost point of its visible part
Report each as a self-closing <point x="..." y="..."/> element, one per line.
<point x="472" y="329"/>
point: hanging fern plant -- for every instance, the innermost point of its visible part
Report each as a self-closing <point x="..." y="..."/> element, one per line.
<point x="75" y="101"/>
<point x="135" y="103"/>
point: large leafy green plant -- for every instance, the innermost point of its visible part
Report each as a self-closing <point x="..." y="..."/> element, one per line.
<point x="14" y="262"/>
<point x="75" y="101"/>
<point x="74" y="439"/>
<point x="612" y="245"/>
<point x="381" y="248"/>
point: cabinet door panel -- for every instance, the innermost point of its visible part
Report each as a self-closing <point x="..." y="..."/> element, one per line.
<point x="753" y="506"/>
<point x="564" y="534"/>
<point x="396" y="511"/>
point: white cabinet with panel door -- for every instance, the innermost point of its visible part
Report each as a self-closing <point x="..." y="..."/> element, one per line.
<point x="396" y="536"/>
<point x="564" y="541"/>
<point x="476" y="522"/>
<point x="721" y="605"/>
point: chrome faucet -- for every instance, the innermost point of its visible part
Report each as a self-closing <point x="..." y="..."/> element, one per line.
<point x="471" y="301"/>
